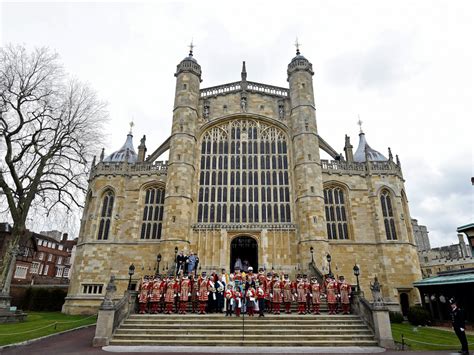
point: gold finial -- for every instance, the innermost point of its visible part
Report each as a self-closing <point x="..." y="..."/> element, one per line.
<point x="360" y="124"/>
<point x="297" y="45"/>
<point x="191" y="47"/>
<point x="131" y="126"/>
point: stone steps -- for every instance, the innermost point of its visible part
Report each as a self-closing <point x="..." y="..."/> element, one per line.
<point x="271" y="330"/>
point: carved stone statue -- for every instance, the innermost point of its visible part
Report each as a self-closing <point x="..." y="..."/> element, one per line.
<point x="376" y="293"/>
<point x="109" y="294"/>
<point x="243" y="104"/>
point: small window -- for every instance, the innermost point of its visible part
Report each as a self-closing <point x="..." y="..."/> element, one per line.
<point x="46" y="269"/>
<point x="60" y="260"/>
<point x="92" y="289"/>
<point x="50" y="257"/>
<point x="20" y="272"/>
<point x="66" y="272"/>
<point x="59" y="271"/>
<point x="34" y="267"/>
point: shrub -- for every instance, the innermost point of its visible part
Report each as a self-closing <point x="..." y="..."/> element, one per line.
<point x="43" y="299"/>
<point x="418" y="316"/>
<point x="396" y="317"/>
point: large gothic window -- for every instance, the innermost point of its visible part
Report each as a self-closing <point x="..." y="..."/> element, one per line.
<point x="387" y="212"/>
<point x="153" y="213"/>
<point x="336" y="215"/>
<point x="106" y="215"/>
<point x="244" y="174"/>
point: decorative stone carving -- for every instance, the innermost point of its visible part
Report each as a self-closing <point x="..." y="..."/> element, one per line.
<point x="376" y="292"/>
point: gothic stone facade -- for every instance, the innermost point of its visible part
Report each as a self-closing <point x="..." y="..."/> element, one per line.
<point x="244" y="175"/>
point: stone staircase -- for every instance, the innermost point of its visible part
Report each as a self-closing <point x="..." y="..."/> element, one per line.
<point x="218" y="330"/>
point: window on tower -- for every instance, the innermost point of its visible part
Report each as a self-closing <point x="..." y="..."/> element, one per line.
<point x="257" y="190"/>
<point x="387" y="213"/>
<point x="152" y="221"/>
<point x="336" y="213"/>
<point x="106" y="215"/>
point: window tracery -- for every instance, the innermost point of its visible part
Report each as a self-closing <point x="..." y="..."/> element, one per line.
<point x="106" y="215"/>
<point x="336" y="213"/>
<point x="255" y="184"/>
<point x="388" y="216"/>
<point x="153" y="213"/>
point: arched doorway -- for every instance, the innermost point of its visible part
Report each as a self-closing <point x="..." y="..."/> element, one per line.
<point x="404" y="303"/>
<point x="244" y="249"/>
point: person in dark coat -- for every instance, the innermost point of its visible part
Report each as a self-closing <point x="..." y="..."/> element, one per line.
<point x="459" y="326"/>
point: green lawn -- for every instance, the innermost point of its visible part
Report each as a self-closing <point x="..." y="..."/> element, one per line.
<point x="447" y="338"/>
<point x="45" y="320"/>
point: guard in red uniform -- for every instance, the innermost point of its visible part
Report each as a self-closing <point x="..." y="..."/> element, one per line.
<point x="184" y="294"/>
<point x="276" y="294"/>
<point x="155" y="294"/>
<point x="288" y="290"/>
<point x="268" y="291"/>
<point x="315" y="293"/>
<point x="203" y="294"/>
<point x="143" y="296"/>
<point x="300" y="295"/>
<point x="345" y="292"/>
<point x="331" y="293"/>
<point x="170" y="294"/>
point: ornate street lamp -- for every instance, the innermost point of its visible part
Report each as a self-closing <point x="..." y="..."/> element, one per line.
<point x="311" y="249"/>
<point x="158" y="259"/>
<point x="357" y="273"/>
<point x="328" y="258"/>
<point x="131" y="271"/>
<point x="175" y="253"/>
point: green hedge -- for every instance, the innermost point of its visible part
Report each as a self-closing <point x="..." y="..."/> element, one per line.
<point x="43" y="299"/>
<point x="418" y="316"/>
<point x="396" y="317"/>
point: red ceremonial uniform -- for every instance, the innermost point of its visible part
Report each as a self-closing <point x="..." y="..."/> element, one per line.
<point x="345" y="291"/>
<point x="184" y="295"/>
<point x="203" y="294"/>
<point x="288" y="289"/>
<point x="171" y="291"/>
<point x="301" y="296"/>
<point x="143" y="296"/>
<point x="331" y="292"/>
<point x="315" y="296"/>
<point x="276" y="295"/>
<point x="155" y="295"/>
<point x="238" y="302"/>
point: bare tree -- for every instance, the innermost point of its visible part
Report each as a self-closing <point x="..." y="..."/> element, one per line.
<point x="49" y="126"/>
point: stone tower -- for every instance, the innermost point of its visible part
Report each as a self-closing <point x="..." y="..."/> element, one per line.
<point x="181" y="165"/>
<point x="308" y="184"/>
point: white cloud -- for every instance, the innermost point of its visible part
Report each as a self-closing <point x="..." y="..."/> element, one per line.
<point x="406" y="67"/>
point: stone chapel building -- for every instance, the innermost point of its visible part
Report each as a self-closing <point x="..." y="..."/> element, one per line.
<point x="245" y="179"/>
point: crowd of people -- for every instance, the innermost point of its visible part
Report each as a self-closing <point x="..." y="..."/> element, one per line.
<point x="241" y="292"/>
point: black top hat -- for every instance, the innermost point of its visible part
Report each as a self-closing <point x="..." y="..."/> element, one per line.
<point x="452" y="300"/>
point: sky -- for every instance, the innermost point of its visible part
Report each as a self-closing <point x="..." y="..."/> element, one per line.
<point x="404" y="67"/>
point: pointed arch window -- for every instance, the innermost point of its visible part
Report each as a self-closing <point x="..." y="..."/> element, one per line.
<point x="388" y="217"/>
<point x="152" y="221"/>
<point x="254" y="156"/>
<point x="336" y="213"/>
<point x="106" y="215"/>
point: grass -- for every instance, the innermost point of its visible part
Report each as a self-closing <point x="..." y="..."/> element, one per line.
<point x="45" y="320"/>
<point x="447" y="339"/>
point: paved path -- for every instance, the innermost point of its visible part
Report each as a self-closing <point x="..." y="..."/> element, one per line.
<point x="79" y="342"/>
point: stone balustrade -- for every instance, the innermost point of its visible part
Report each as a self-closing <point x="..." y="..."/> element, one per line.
<point x="353" y="168"/>
<point x="250" y="87"/>
<point x="122" y="168"/>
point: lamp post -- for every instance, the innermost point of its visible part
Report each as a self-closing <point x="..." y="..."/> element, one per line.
<point x="158" y="259"/>
<point x="311" y="249"/>
<point x="328" y="258"/>
<point x="357" y="273"/>
<point x="176" y="260"/>
<point x="131" y="271"/>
